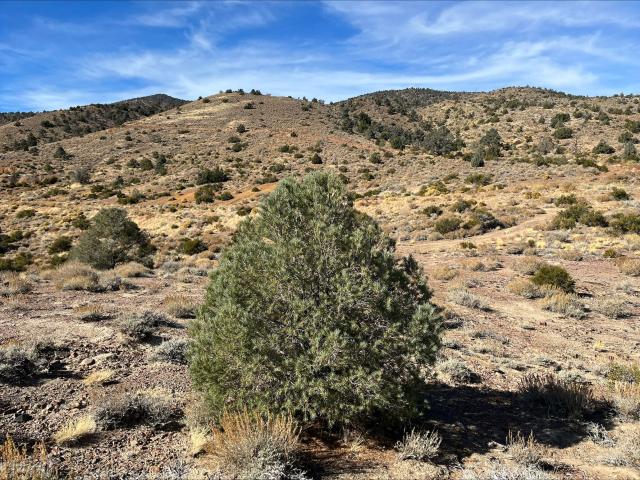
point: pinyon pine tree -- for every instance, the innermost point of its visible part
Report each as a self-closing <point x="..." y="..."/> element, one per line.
<point x="310" y="313"/>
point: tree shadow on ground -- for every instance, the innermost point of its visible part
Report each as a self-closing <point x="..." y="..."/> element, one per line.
<point x="474" y="419"/>
<point x="471" y="420"/>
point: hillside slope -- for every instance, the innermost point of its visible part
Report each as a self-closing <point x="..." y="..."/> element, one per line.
<point x="482" y="189"/>
<point x="23" y="131"/>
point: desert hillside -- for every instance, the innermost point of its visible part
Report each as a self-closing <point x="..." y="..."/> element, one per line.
<point x="521" y="204"/>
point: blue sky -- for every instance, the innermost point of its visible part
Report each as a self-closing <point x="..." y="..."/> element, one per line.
<point x="59" y="54"/>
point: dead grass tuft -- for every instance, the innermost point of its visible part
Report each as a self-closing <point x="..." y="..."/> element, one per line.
<point x="558" y="396"/>
<point x="252" y="446"/>
<point x="76" y="430"/>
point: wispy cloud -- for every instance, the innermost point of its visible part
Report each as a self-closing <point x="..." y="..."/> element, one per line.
<point x="330" y="50"/>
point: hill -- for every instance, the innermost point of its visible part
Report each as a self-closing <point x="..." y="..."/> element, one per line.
<point x="521" y="204"/>
<point x="23" y="131"/>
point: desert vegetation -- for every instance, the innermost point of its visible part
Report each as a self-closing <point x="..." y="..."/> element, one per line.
<point x="405" y="284"/>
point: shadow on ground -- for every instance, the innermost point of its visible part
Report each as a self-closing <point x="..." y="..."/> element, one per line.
<point x="471" y="420"/>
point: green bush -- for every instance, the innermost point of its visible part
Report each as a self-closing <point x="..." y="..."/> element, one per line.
<point x="26" y="213"/>
<point x="316" y="159"/>
<point x="554" y="276"/>
<point x="491" y="143"/>
<point x="206" y="193"/>
<point x="559" y="119"/>
<point x="630" y="152"/>
<point x="622" y="223"/>
<point x="111" y="239"/>
<point x="18" y="263"/>
<point x="60" y="244"/>
<point x="603" y="148"/>
<point x="562" y="133"/>
<point x="309" y="313"/>
<point x="619" y="194"/>
<point x="217" y="175"/>
<point x="578" y="213"/>
<point x="191" y="246"/>
<point x="447" y="225"/>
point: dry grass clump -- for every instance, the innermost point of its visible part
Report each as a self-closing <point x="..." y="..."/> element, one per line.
<point x="524" y="450"/>
<point x="101" y="377"/>
<point x="612" y="307"/>
<point x="625" y="398"/>
<point x="141" y="327"/>
<point x="457" y="371"/>
<point x="132" y="270"/>
<point x="464" y="297"/>
<point x="571" y="255"/>
<point x="254" y="447"/>
<point x="421" y="446"/>
<point x="148" y="407"/>
<point x="91" y="313"/>
<point x="17" y="464"/>
<point x="558" y="396"/>
<point x="13" y="283"/>
<point x="172" y="351"/>
<point x="630" y="266"/>
<point x="76" y="430"/>
<point x="75" y="276"/>
<point x="500" y="471"/>
<point x="528" y="265"/>
<point x="180" y="306"/>
<point x="444" y="273"/>
<point x="485" y="265"/>
<point x="565" y="304"/>
<point x="525" y="288"/>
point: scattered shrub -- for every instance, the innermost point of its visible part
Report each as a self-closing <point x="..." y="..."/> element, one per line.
<point x="447" y="225"/>
<point x="603" y="148"/>
<point x="562" y="133"/>
<point x="251" y="446"/>
<point x="612" y="307"/>
<point x="558" y="396"/>
<point x="60" y="244"/>
<point x="619" y="194"/>
<point x="564" y="304"/>
<point x="180" y="306"/>
<point x="464" y="297"/>
<point x="578" y="213"/>
<point x="149" y="407"/>
<point x="554" y="276"/>
<point x="630" y="266"/>
<point x="458" y="372"/>
<point x="623" y="223"/>
<point x="101" y="377"/>
<point x="140" y="327"/>
<point x="132" y="270"/>
<point x="529" y="265"/>
<point x="76" y="276"/>
<point x="91" y="313"/>
<point x="76" y="430"/>
<point x="523" y="450"/>
<point x="172" y="351"/>
<point x="13" y="283"/>
<point x="20" y="363"/>
<point x="206" y="193"/>
<point x="625" y="398"/>
<point x="421" y="446"/>
<point x="191" y="246"/>
<point x="216" y="175"/>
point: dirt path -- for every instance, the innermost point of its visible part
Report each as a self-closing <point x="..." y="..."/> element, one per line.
<point x="429" y="246"/>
